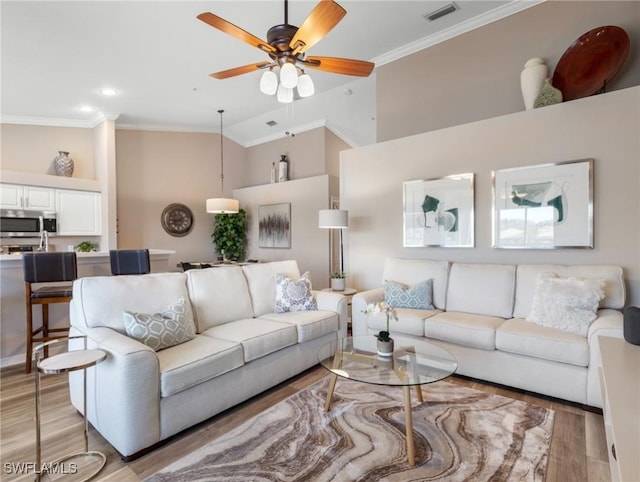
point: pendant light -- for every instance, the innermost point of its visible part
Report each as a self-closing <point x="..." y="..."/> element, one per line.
<point x="222" y="205"/>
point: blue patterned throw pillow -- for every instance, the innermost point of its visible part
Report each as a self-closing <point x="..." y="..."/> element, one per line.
<point x="399" y="295"/>
<point x="294" y="295"/>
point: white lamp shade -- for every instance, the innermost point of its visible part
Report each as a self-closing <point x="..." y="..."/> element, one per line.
<point x="289" y="75"/>
<point x="269" y="83"/>
<point x="305" y="86"/>
<point x="285" y="94"/>
<point x="222" y="205"/>
<point x="333" y="218"/>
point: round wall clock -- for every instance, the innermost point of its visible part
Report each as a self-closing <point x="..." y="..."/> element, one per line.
<point x="177" y="219"/>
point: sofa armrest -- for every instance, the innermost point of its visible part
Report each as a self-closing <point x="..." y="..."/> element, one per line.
<point x="123" y="391"/>
<point x="332" y="301"/>
<point x="358" y="305"/>
<point x="608" y="323"/>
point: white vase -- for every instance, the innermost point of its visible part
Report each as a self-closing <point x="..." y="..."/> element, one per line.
<point x="531" y="80"/>
<point x="338" y="284"/>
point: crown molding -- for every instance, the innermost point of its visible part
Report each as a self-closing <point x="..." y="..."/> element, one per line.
<point x="94" y="121"/>
<point x="458" y="29"/>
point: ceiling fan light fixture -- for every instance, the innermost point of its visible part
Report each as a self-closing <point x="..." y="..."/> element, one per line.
<point x="269" y="83"/>
<point x="285" y="94"/>
<point x="289" y="75"/>
<point x="305" y="86"/>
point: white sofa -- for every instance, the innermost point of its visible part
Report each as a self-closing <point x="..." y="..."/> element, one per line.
<point x="138" y="397"/>
<point x="479" y="317"/>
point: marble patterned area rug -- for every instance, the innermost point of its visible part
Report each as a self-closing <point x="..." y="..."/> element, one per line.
<point x="460" y="434"/>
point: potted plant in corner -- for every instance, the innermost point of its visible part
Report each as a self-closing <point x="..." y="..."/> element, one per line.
<point x="338" y="281"/>
<point x="385" y="342"/>
<point x="229" y="236"/>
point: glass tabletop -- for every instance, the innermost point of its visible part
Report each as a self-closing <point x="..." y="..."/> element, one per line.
<point x="414" y="361"/>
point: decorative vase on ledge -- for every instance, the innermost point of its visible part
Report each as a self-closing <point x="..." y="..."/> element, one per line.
<point x="63" y="164"/>
<point x="531" y="80"/>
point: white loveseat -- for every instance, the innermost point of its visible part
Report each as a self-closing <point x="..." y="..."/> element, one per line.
<point x="138" y="397"/>
<point x="479" y="316"/>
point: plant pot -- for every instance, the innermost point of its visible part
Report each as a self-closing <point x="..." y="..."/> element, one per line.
<point x="338" y="284"/>
<point x="385" y="348"/>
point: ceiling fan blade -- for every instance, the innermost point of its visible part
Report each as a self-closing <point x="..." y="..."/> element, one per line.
<point x="245" y="69"/>
<point x="337" y="65"/>
<point x="318" y="23"/>
<point x="235" y="31"/>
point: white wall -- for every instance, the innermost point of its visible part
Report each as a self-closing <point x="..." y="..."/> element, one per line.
<point x="309" y="244"/>
<point x="603" y="127"/>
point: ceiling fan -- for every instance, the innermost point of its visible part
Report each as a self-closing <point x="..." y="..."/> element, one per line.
<point x="287" y="46"/>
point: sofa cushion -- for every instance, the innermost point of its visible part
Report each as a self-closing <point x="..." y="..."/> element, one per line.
<point x="258" y="336"/>
<point x="261" y="278"/>
<point x="310" y="324"/>
<point x="219" y="295"/>
<point x="413" y="271"/>
<point x="161" y="330"/>
<point x="294" y="294"/>
<point x="568" y="304"/>
<point x="477" y="331"/>
<point x="524" y="338"/>
<point x="400" y="295"/>
<point x="410" y="321"/>
<point x="527" y="275"/>
<point x="102" y="299"/>
<point x="196" y="361"/>
<point x="483" y="289"/>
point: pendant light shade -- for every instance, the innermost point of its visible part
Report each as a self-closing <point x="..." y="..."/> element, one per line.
<point x="289" y="75"/>
<point x="222" y="205"/>
<point x="269" y="82"/>
<point x="305" y="86"/>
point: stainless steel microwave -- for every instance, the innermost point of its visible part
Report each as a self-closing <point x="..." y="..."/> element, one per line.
<point x="17" y="223"/>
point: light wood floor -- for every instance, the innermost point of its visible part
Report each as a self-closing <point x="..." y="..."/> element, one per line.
<point x="578" y="448"/>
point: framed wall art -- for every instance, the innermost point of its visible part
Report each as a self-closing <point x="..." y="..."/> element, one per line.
<point x="544" y="206"/>
<point x="439" y="212"/>
<point x="274" y="225"/>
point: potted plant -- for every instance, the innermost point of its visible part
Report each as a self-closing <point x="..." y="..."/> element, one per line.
<point x="385" y="342"/>
<point x="86" y="247"/>
<point x="338" y="281"/>
<point x="229" y="236"/>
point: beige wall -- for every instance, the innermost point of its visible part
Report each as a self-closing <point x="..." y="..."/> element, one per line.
<point x="33" y="148"/>
<point x="305" y="152"/>
<point x="155" y="169"/>
<point x="603" y="127"/>
<point x="309" y="244"/>
<point x="477" y="75"/>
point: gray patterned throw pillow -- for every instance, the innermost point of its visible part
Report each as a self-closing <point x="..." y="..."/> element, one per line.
<point x="294" y="295"/>
<point x="418" y="296"/>
<point x="161" y="330"/>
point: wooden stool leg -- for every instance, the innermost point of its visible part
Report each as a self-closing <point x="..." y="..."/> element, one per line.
<point x="29" y="330"/>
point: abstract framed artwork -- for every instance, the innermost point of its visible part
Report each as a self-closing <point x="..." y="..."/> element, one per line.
<point x="439" y="212"/>
<point x="544" y="206"/>
<point x="274" y="225"/>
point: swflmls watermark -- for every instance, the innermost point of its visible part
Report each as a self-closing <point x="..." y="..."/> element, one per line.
<point x="24" y="468"/>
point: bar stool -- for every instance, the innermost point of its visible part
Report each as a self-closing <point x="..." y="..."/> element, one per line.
<point x="129" y="261"/>
<point x="46" y="268"/>
<point x="66" y="362"/>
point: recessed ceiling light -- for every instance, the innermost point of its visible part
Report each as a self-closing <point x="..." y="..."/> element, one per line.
<point x="85" y="108"/>
<point x="108" y="91"/>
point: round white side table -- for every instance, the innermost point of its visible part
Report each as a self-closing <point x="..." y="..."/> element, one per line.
<point x="63" y="363"/>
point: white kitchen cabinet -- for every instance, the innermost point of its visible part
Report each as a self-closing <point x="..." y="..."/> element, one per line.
<point x="79" y="213"/>
<point x="16" y="196"/>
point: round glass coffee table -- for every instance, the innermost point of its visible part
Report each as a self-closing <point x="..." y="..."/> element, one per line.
<point x="414" y="363"/>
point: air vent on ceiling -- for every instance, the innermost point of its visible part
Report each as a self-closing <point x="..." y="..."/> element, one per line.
<point x="272" y="123"/>
<point x="441" y="12"/>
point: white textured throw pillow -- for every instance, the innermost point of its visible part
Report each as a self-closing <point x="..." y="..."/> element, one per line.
<point x="294" y="295"/>
<point x="161" y="330"/>
<point x="568" y="304"/>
